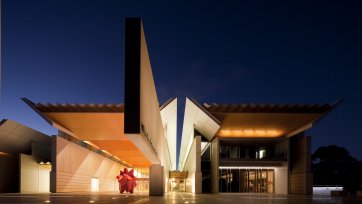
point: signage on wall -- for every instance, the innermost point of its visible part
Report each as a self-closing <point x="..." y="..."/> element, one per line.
<point x="148" y="138"/>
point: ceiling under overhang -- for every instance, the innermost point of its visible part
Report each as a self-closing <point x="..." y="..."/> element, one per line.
<point x="99" y="125"/>
<point x="264" y="125"/>
<point x="105" y="130"/>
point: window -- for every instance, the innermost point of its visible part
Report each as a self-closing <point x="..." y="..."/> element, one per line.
<point x="94" y="184"/>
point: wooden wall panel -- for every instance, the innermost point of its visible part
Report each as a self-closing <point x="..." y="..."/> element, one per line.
<point x="301" y="176"/>
<point x="76" y="166"/>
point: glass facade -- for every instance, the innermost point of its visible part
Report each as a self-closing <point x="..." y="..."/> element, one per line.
<point x="206" y="170"/>
<point x="178" y="185"/>
<point x="249" y="152"/>
<point x="246" y="180"/>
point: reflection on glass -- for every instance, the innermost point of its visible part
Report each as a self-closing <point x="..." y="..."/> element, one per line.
<point x="246" y="180"/>
<point x="249" y="152"/>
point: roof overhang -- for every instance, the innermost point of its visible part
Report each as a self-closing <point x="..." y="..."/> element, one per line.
<point x="264" y="125"/>
<point x="96" y="126"/>
<point x="266" y="121"/>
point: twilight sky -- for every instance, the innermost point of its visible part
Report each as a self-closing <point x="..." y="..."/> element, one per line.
<point x="213" y="51"/>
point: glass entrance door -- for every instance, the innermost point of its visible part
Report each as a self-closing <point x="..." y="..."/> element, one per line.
<point x="246" y="180"/>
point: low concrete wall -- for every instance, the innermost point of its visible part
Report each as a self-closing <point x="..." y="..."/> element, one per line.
<point x="325" y="190"/>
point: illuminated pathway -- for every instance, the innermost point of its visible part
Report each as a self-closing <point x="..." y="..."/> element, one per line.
<point x="174" y="198"/>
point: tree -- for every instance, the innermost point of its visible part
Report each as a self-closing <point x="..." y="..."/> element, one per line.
<point x="333" y="165"/>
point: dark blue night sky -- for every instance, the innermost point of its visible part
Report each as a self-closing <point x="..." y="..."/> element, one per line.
<point x="214" y="51"/>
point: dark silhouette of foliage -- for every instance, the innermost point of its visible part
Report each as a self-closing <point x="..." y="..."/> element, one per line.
<point x="333" y="165"/>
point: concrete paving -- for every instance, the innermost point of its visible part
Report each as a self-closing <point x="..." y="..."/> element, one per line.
<point x="182" y="198"/>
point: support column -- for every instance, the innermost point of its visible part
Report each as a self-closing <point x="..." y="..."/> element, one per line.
<point x="156" y="187"/>
<point x="53" y="173"/>
<point x="215" y="153"/>
<point x="198" y="172"/>
<point x="301" y="178"/>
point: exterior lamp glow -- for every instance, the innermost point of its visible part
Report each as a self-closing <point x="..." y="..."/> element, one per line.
<point x="250" y="133"/>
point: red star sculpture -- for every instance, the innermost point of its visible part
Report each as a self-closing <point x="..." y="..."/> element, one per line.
<point x="127" y="181"/>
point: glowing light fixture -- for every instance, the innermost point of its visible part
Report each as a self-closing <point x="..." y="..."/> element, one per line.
<point x="250" y="133"/>
<point x="91" y="144"/>
<point x="4" y="154"/>
<point x="246" y="167"/>
<point x="94" y="184"/>
<point x="105" y="151"/>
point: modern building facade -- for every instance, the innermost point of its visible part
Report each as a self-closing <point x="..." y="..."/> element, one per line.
<point x="252" y="148"/>
<point x="137" y="134"/>
<point x="225" y="148"/>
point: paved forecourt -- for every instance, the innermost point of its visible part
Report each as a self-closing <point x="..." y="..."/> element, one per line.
<point x="174" y="198"/>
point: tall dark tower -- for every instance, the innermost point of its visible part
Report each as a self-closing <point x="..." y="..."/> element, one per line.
<point x="0" y="49"/>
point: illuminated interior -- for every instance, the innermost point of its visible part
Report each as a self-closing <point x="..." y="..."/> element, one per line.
<point x="246" y="179"/>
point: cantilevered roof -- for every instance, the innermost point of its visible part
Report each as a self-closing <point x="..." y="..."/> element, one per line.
<point x="266" y="120"/>
<point x="16" y="138"/>
<point x="65" y="107"/>
<point x="247" y="121"/>
<point x="268" y="108"/>
<point x="100" y="125"/>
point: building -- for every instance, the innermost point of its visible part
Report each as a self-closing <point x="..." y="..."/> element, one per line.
<point x="96" y="141"/>
<point x="24" y="158"/>
<point x="253" y="148"/>
<point x="225" y="148"/>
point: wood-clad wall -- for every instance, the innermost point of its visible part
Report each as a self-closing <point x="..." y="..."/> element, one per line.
<point x="301" y="178"/>
<point x="75" y="166"/>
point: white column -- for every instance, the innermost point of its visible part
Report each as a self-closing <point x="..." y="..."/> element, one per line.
<point x="198" y="173"/>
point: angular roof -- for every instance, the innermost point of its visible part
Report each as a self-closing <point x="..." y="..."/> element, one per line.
<point x="16" y="138"/>
<point x="65" y="107"/>
<point x="169" y="121"/>
<point x="195" y="117"/>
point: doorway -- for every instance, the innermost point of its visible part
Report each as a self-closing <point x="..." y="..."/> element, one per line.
<point x="246" y="180"/>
